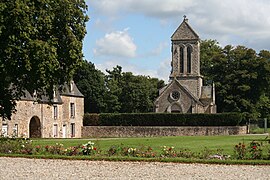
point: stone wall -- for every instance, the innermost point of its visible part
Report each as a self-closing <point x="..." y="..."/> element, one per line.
<point x="147" y="131"/>
<point x="44" y="113"/>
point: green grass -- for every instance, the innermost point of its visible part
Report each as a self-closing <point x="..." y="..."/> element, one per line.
<point x="259" y="130"/>
<point x="194" y="143"/>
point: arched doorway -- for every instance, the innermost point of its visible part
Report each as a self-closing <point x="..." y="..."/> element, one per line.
<point x="34" y="128"/>
<point x="176" y="108"/>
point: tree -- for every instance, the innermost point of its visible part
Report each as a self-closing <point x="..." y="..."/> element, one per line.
<point x="127" y="93"/>
<point x="41" y="46"/>
<point x="113" y="90"/>
<point x="90" y="82"/>
<point x="241" y="77"/>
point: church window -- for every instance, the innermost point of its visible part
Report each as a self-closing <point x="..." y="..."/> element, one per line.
<point x="181" y="60"/>
<point x="175" y="95"/>
<point x="189" y="50"/>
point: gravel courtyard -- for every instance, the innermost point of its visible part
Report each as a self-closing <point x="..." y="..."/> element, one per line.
<point x="21" y="168"/>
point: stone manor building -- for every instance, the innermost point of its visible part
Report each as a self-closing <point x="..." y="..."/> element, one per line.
<point x="185" y="92"/>
<point x="61" y="117"/>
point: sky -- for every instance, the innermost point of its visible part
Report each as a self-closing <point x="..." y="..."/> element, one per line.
<point x="135" y="34"/>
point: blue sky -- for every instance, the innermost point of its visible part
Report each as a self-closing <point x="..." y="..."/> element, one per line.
<point x="135" y="34"/>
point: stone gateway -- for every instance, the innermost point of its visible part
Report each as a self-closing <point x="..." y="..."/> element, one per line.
<point x="185" y="92"/>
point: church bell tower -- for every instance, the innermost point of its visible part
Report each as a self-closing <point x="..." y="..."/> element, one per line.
<point x="186" y="58"/>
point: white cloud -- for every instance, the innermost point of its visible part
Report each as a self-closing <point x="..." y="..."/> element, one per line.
<point x="118" y="43"/>
<point x="126" y="67"/>
<point x="153" y="8"/>
<point x="249" y="20"/>
<point x="155" y="51"/>
<point x="236" y="22"/>
<point x="163" y="70"/>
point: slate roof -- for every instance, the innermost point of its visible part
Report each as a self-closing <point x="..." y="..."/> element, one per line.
<point x="66" y="91"/>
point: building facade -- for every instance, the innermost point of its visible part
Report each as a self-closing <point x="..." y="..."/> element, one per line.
<point x="62" y="117"/>
<point x="185" y="92"/>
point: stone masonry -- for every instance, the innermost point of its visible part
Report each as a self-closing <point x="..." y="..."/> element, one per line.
<point x="61" y="118"/>
<point x="185" y="92"/>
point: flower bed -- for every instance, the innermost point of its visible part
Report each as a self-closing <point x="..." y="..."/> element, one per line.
<point x="254" y="150"/>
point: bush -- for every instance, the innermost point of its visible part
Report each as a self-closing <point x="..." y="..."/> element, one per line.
<point x="163" y="119"/>
<point x="90" y="119"/>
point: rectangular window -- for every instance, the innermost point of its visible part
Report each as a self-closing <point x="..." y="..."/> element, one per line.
<point x="72" y="110"/>
<point x="55" y="112"/>
<point x="72" y="129"/>
<point x="55" y="130"/>
<point x="15" y="130"/>
<point x="4" y="130"/>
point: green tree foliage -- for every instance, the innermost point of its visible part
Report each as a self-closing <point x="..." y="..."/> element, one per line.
<point x="116" y="91"/>
<point x="241" y="77"/>
<point x="91" y="83"/>
<point x="113" y="90"/>
<point x="129" y="93"/>
<point x="41" y="46"/>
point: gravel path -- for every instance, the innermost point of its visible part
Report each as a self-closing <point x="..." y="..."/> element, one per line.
<point x="21" y="168"/>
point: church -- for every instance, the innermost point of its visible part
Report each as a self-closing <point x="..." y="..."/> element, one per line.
<point x="185" y="92"/>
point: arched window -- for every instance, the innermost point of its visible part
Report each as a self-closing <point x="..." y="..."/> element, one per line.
<point x="189" y="51"/>
<point x="181" y="60"/>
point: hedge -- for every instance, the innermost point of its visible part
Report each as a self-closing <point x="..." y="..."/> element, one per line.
<point x="162" y="119"/>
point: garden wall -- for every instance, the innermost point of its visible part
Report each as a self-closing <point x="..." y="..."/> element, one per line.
<point x="148" y="131"/>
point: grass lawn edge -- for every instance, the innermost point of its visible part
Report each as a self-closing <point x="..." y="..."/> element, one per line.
<point x="136" y="159"/>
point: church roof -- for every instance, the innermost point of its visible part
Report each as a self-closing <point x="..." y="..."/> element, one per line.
<point x="184" y="32"/>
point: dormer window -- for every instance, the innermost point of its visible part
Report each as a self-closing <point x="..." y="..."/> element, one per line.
<point x="71" y="86"/>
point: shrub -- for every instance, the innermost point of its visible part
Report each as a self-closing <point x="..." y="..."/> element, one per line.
<point x="90" y="119"/>
<point x="55" y="149"/>
<point x="88" y="148"/>
<point x="255" y="150"/>
<point x="114" y="150"/>
<point x="185" y="153"/>
<point x="26" y="147"/>
<point x="168" y="152"/>
<point x="240" y="151"/>
<point x="9" y="145"/>
<point x="163" y="119"/>
<point x="72" y="151"/>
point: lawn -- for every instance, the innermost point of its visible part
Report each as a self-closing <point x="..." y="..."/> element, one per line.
<point x="193" y="143"/>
